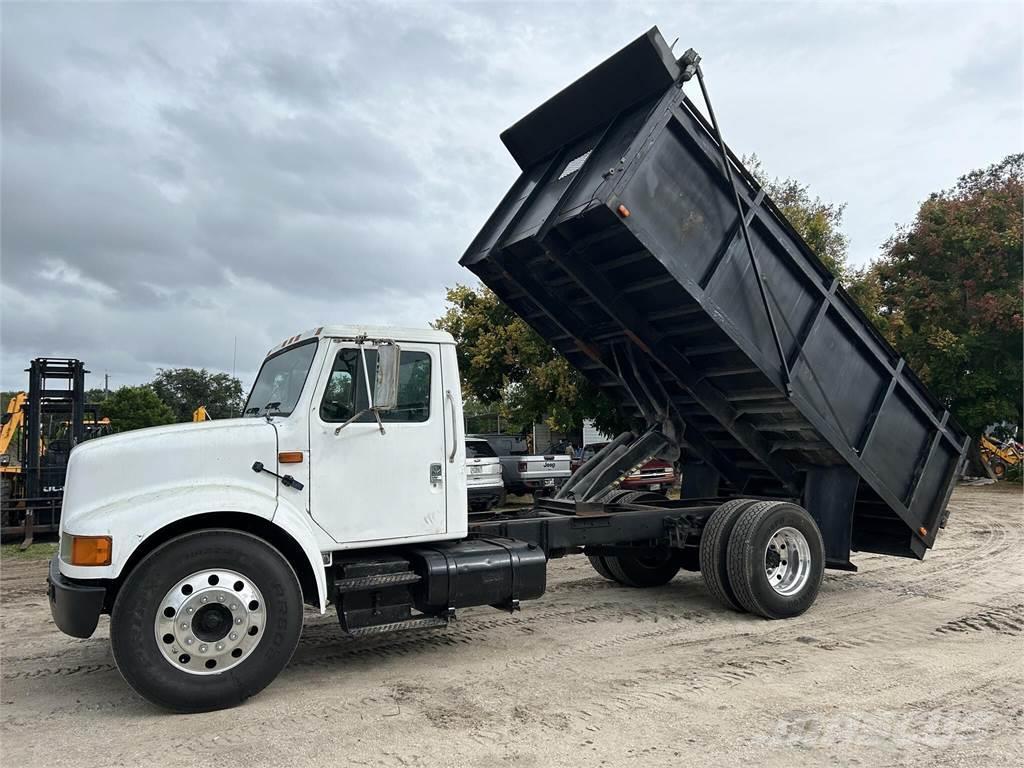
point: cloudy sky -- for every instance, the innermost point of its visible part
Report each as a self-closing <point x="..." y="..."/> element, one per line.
<point x="176" y="176"/>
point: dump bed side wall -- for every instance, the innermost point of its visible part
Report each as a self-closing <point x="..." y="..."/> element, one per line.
<point x="629" y="236"/>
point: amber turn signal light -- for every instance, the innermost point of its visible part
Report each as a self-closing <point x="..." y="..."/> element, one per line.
<point x="623" y="211"/>
<point x="290" y="457"/>
<point x="91" y="550"/>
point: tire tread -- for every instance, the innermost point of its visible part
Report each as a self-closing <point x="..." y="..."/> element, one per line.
<point x="713" y="551"/>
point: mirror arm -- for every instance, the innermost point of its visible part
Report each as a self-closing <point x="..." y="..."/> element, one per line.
<point x="361" y="413"/>
<point x="350" y="420"/>
<point x="366" y="377"/>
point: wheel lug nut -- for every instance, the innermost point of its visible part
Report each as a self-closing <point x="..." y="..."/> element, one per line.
<point x="188" y="641"/>
<point x="220" y="646"/>
<point x="184" y="625"/>
<point x="202" y="649"/>
<point x="233" y="636"/>
<point x="204" y="599"/>
<point x="220" y="598"/>
<point x="189" y="609"/>
<point x="238" y="621"/>
<point x="234" y="607"/>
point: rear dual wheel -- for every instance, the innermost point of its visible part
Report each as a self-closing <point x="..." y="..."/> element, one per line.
<point x="765" y="557"/>
<point x="651" y="568"/>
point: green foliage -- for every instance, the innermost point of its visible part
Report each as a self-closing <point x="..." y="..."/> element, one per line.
<point x="948" y="290"/>
<point x="136" y="407"/>
<point x="185" y="389"/>
<point x="5" y="398"/>
<point x="39" y="551"/>
<point x="95" y="396"/>
<point x="504" y="363"/>
<point x="817" y="222"/>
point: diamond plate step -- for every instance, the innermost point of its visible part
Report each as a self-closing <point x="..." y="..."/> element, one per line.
<point x="424" y="622"/>
<point x="361" y="583"/>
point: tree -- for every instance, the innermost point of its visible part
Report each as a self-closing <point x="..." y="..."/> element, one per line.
<point x="136" y="407"/>
<point x="185" y="389"/>
<point x="817" y="222"/>
<point x="504" y="363"/>
<point x="948" y="291"/>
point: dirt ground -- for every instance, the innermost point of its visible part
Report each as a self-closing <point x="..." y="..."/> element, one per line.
<point x="903" y="663"/>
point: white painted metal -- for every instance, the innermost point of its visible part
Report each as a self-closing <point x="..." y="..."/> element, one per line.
<point x="367" y="487"/>
<point x="132" y="485"/>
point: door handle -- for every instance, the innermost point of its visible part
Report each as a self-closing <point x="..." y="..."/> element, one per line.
<point x="455" y="433"/>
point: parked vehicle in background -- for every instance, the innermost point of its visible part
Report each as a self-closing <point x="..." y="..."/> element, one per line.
<point x="525" y="473"/>
<point x="484" y="485"/>
<point x="655" y="475"/>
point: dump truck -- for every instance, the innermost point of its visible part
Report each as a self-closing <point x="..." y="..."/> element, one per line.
<point x="636" y="244"/>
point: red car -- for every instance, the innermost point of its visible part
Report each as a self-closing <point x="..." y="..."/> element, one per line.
<point x="655" y="475"/>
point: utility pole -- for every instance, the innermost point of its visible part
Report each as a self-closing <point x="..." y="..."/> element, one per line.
<point x="106" y="383"/>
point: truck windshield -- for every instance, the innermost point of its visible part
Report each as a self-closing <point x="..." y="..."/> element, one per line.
<point x="279" y="383"/>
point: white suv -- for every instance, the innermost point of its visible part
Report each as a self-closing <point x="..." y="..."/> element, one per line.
<point x="484" y="483"/>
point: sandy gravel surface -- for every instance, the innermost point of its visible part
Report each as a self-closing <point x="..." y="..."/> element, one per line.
<point x="903" y="663"/>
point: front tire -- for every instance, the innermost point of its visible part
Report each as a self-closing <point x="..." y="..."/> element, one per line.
<point x="206" y="620"/>
<point x="776" y="559"/>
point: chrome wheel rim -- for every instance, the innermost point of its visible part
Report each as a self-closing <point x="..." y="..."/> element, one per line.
<point x="787" y="561"/>
<point x="210" y="622"/>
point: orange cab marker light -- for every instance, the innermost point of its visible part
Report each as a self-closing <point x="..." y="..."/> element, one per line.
<point x="290" y="457"/>
<point x="623" y="211"/>
<point x="91" y="550"/>
<point x="923" y="531"/>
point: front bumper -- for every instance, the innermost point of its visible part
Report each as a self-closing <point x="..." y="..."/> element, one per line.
<point x="75" y="607"/>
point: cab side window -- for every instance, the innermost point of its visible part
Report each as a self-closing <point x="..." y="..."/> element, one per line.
<point x="345" y="394"/>
<point x="338" y="403"/>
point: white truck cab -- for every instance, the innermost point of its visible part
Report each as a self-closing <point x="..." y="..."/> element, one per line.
<point x="313" y="468"/>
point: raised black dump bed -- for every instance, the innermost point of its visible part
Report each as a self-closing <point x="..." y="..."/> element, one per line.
<point x="621" y="244"/>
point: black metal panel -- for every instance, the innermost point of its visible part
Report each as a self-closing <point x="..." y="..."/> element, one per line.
<point x="642" y="69"/>
<point x="638" y="245"/>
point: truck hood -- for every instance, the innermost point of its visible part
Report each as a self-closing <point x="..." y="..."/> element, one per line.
<point x="117" y="469"/>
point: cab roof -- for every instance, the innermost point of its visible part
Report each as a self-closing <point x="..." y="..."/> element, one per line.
<point x="398" y="334"/>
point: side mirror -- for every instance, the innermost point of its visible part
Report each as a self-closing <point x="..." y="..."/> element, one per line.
<point x="385" y="391"/>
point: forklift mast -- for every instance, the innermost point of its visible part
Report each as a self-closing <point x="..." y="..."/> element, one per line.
<point x="56" y="387"/>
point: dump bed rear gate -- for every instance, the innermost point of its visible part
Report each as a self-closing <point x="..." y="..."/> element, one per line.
<point x="621" y="237"/>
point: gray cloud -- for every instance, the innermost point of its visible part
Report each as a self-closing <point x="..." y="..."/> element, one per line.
<point x="178" y="176"/>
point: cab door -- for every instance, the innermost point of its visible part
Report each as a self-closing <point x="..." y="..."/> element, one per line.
<point x="367" y="486"/>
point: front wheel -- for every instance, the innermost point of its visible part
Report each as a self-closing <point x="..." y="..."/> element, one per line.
<point x="206" y="620"/>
